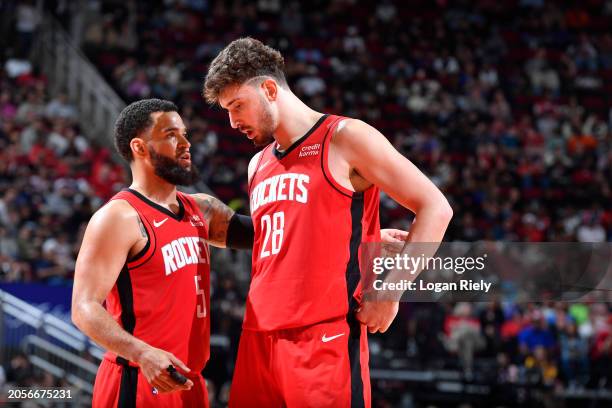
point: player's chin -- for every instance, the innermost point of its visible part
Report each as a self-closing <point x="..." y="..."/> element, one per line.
<point x="186" y="168"/>
<point x="185" y="163"/>
<point x="261" y="141"/>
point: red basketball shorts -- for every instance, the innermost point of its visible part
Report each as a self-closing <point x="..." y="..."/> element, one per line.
<point x="324" y="365"/>
<point x="123" y="386"/>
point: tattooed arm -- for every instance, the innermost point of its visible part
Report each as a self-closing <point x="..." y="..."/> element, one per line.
<point x="218" y="216"/>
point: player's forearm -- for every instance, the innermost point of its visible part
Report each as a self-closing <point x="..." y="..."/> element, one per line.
<point x="428" y="228"/>
<point x="93" y="320"/>
<point x="431" y="222"/>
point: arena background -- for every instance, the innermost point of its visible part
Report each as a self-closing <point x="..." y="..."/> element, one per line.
<point x="505" y="104"/>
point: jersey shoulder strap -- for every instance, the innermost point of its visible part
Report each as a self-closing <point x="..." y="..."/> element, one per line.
<point x="147" y="252"/>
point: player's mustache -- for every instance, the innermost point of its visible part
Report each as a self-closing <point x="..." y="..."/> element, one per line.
<point x="183" y="153"/>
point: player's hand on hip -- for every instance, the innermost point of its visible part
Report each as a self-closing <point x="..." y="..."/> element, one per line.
<point x="377" y="315"/>
<point x="393" y="235"/>
<point x="154" y="365"/>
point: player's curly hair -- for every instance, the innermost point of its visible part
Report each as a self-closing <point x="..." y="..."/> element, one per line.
<point x="135" y="118"/>
<point x="241" y="60"/>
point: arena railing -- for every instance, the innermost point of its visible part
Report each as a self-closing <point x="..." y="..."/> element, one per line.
<point x="69" y="70"/>
<point x="50" y="343"/>
<point x="45" y="355"/>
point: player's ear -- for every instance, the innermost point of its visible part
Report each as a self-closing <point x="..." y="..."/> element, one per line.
<point x="270" y="88"/>
<point x="138" y="147"/>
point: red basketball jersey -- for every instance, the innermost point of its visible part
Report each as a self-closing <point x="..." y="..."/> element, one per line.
<point x="307" y="234"/>
<point x="162" y="294"/>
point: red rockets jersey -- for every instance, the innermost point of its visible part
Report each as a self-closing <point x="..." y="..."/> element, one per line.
<point x="162" y="295"/>
<point x="308" y="229"/>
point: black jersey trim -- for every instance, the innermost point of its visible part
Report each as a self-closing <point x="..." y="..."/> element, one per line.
<point x="281" y="155"/>
<point x="128" y="388"/>
<point x="144" y="250"/>
<point x="126" y="300"/>
<point x="354" y="352"/>
<point x="353" y="276"/>
<point x="355" y="194"/>
<point x="144" y="261"/>
<point x="178" y="216"/>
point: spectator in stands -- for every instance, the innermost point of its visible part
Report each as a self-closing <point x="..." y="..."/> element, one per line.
<point x="139" y="87"/>
<point x="19" y="371"/>
<point x="510" y="330"/>
<point x="59" y="107"/>
<point x="536" y="334"/>
<point x="506" y="371"/>
<point x="591" y="229"/>
<point x="28" y="18"/>
<point x="463" y="336"/>
<point x="574" y="356"/>
<point x="602" y="357"/>
<point x="539" y="368"/>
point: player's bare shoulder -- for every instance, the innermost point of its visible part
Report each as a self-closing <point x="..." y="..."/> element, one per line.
<point x="358" y="142"/>
<point x="119" y="222"/>
<point x="114" y="211"/>
<point x="348" y="129"/>
<point x="253" y="165"/>
<point x="351" y="135"/>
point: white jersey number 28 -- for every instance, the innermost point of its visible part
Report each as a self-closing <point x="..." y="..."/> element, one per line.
<point x="272" y="228"/>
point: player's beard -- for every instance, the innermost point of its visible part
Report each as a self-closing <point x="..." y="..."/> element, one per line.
<point x="170" y="170"/>
<point x="266" y="126"/>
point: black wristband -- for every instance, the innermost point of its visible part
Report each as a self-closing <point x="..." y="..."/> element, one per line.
<point x="240" y="232"/>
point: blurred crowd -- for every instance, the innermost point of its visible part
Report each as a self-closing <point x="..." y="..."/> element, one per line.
<point x="551" y="345"/>
<point x="504" y="104"/>
<point x="51" y="178"/>
<point x="506" y="108"/>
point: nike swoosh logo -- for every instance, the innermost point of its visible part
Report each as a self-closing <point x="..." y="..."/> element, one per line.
<point x="325" y="339"/>
<point x="264" y="165"/>
<point x="160" y="223"/>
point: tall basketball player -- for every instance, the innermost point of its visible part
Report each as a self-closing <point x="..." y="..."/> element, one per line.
<point x="314" y="195"/>
<point x="146" y="254"/>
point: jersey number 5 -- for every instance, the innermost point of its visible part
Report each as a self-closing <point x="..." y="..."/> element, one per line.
<point x="201" y="304"/>
<point x="272" y="226"/>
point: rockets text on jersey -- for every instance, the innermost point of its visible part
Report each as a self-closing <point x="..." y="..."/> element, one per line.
<point x="184" y="251"/>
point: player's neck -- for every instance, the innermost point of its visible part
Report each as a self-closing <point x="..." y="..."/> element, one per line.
<point x="296" y="118"/>
<point x="154" y="188"/>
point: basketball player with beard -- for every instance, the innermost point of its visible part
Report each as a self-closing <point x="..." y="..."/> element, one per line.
<point x="145" y="253"/>
<point x="314" y="197"/>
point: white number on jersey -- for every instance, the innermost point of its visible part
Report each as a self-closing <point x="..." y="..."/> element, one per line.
<point x="201" y="307"/>
<point x="272" y="226"/>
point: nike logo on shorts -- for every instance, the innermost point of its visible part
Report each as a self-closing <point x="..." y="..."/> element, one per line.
<point x="325" y="339"/>
<point x="160" y="223"/>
